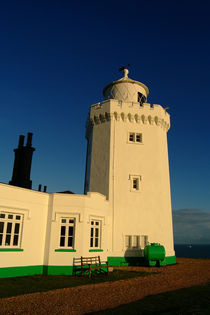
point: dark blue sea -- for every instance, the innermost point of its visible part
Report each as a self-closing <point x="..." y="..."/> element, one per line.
<point x="192" y="250"/>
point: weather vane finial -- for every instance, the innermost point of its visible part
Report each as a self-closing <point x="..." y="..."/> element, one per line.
<point x="124" y="68"/>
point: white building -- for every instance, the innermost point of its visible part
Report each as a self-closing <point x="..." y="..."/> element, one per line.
<point x="127" y="199"/>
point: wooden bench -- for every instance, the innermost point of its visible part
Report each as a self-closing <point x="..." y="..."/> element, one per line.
<point x="93" y="263"/>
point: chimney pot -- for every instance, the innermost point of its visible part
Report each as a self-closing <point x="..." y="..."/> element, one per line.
<point x="45" y="188"/>
<point x="21" y="141"/>
<point x="29" y="139"/>
<point x="40" y="187"/>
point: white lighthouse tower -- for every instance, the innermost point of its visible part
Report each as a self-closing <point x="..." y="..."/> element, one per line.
<point x="127" y="161"/>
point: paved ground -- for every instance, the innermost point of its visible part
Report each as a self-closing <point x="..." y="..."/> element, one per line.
<point x="81" y="300"/>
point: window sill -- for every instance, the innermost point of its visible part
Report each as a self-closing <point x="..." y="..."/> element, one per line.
<point x="65" y="250"/>
<point x="132" y="142"/>
<point x="96" y="250"/>
<point x="11" y="250"/>
<point x="134" y="248"/>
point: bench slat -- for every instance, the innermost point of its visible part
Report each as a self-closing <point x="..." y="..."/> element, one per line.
<point x="92" y="263"/>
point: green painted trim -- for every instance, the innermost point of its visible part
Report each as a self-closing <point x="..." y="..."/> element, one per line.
<point x="9" y="272"/>
<point x="117" y="261"/>
<point x="126" y="261"/>
<point x="170" y="260"/>
<point x="11" y="250"/>
<point x="58" y="270"/>
<point x="65" y="250"/>
<point x="138" y="261"/>
<point x="96" y="250"/>
<point x="156" y="263"/>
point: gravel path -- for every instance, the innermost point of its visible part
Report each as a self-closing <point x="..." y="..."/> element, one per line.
<point x="83" y="299"/>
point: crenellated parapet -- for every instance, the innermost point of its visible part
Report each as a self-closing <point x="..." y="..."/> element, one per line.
<point x="114" y="110"/>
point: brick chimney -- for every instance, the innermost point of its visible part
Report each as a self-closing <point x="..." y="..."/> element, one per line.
<point x="22" y="163"/>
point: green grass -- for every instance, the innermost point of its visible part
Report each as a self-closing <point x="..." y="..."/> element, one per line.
<point x="194" y="300"/>
<point x="40" y="283"/>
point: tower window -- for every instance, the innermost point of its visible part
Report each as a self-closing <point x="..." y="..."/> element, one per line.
<point x="138" y="137"/>
<point x="135" y="182"/>
<point x="133" y="242"/>
<point x="141" y="98"/>
<point x="132" y="137"/>
<point x="135" y="137"/>
<point x="143" y="240"/>
<point x="128" y="241"/>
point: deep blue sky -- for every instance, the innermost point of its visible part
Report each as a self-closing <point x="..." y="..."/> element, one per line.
<point x="55" y="59"/>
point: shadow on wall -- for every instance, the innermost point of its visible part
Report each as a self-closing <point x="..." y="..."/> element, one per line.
<point x="134" y="257"/>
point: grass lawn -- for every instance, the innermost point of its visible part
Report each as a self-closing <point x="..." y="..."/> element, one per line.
<point x="40" y="283"/>
<point x="194" y="300"/>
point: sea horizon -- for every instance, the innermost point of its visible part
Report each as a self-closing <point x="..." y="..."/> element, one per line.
<point x="192" y="250"/>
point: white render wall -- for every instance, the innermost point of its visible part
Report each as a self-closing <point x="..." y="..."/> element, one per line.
<point x="100" y="155"/>
<point x="143" y="212"/>
<point x="83" y="208"/>
<point x="41" y="225"/>
<point x="34" y="206"/>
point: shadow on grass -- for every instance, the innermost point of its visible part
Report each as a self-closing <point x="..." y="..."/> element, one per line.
<point x="194" y="300"/>
<point x="40" y="283"/>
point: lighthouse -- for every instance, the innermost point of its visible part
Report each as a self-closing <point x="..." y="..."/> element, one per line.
<point x="127" y="161"/>
<point x="125" y="215"/>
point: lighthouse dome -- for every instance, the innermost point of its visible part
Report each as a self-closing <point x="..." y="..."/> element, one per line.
<point x="126" y="90"/>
